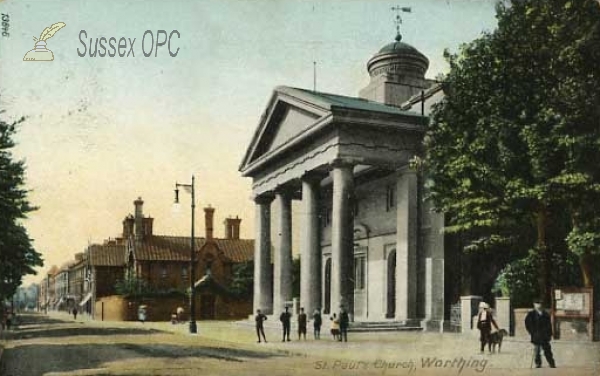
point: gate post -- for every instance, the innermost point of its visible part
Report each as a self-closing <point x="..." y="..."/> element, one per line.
<point x="469" y="306"/>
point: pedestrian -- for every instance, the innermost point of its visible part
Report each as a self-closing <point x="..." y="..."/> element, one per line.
<point x="317" y="322"/>
<point x="9" y="319"/>
<point x="173" y="318"/>
<point x="344" y="323"/>
<point x="335" y="326"/>
<point x="485" y="321"/>
<point x="180" y="312"/>
<point x="539" y="327"/>
<point x="302" y="319"/>
<point x="142" y="314"/>
<point x="285" y="319"/>
<point x="260" y="318"/>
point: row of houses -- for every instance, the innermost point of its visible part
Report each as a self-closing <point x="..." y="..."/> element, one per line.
<point x="109" y="281"/>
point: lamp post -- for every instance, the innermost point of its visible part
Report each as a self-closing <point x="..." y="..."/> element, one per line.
<point x="190" y="187"/>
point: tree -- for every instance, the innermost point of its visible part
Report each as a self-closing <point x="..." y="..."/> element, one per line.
<point x="512" y="150"/>
<point x="17" y="255"/>
<point x="242" y="281"/>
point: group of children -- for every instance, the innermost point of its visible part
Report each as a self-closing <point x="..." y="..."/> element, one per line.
<point x="339" y="325"/>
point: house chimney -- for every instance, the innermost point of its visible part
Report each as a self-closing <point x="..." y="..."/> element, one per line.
<point x="139" y="231"/>
<point x="128" y="225"/>
<point x="235" y="227"/>
<point x="209" y="213"/>
<point x="228" y="228"/>
<point x="148" y="224"/>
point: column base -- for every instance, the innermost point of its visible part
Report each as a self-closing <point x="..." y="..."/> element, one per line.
<point x="433" y="325"/>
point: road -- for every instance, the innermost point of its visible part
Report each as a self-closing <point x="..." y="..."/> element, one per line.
<point x="60" y="346"/>
<point x="50" y="347"/>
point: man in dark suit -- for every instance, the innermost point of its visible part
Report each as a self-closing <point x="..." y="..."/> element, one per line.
<point x="539" y="327"/>
<point x="344" y="323"/>
<point x="285" y="319"/>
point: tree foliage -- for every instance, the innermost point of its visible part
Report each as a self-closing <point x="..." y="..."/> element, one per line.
<point x="17" y="255"/>
<point x="242" y="281"/>
<point x="514" y="148"/>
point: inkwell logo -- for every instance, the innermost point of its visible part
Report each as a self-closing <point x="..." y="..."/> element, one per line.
<point x="40" y="52"/>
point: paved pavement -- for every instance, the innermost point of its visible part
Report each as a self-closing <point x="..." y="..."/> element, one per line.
<point x="57" y="345"/>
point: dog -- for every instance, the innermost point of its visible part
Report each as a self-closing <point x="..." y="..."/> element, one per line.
<point x="496" y="339"/>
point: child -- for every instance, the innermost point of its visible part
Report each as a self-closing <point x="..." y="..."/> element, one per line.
<point x="335" y="327"/>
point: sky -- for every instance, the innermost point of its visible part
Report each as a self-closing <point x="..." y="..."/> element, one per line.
<point x="102" y="131"/>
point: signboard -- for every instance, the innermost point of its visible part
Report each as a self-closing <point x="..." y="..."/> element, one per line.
<point x="573" y="303"/>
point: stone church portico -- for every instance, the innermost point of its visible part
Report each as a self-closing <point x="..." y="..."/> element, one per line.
<point x="347" y="160"/>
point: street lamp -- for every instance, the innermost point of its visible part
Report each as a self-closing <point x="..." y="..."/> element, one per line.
<point x="190" y="188"/>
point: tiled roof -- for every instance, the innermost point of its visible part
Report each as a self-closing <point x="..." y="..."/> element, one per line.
<point x="236" y="250"/>
<point x="159" y="248"/>
<point x="177" y="248"/>
<point x="107" y="255"/>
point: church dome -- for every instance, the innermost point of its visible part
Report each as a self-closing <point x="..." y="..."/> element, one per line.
<point x="398" y="58"/>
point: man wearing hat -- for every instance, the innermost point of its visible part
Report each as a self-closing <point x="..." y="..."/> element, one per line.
<point x="485" y="320"/>
<point x="285" y="319"/>
<point x="539" y="327"/>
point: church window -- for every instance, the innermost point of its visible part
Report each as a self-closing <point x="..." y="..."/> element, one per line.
<point x="359" y="272"/>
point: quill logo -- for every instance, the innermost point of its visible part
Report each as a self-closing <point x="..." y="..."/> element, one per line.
<point x="40" y="52"/>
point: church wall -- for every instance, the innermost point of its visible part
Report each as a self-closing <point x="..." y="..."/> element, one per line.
<point x="373" y="213"/>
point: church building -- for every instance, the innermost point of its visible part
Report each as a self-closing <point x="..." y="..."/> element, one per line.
<point x="369" y="241"/>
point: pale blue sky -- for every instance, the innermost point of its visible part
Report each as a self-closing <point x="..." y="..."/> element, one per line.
<point x="102" y="131"/>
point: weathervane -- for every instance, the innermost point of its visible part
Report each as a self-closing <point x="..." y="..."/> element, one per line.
<point x="398" y="10"/>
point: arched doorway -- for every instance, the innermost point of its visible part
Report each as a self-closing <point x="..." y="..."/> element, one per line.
<point x="391" y="285"/>
<point x="327" y="294"/>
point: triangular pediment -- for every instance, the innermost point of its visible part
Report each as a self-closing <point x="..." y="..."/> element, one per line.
<point x="285" y="119"/>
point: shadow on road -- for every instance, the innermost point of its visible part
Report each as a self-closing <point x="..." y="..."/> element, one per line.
<point x="39" y="326"/>
<point x="66" y="358"/>
<point x="72" y="331"/>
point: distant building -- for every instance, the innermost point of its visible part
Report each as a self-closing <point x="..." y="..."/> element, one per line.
<point x="163" y="262"/>
<point x="109" y="280"/>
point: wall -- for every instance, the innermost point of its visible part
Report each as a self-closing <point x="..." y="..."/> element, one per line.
<point x="152" y="271"/>
<point x="520" y="314"/>
<point x="111" y="308"/>
<point x="119" y="308"/>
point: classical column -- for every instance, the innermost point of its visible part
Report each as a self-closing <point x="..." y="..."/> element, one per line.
<point x="263" y="291"/>
<point x="310" y="250"/>
<point x="342" y="239"/>
<point x="406" y="246"/>
<point x="434" y="270"/>
<point x="283" y="252"/>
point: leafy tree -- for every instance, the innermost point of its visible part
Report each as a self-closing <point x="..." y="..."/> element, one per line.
<point x="17" y="255"/>
<point x="242" y="282"/>
<point x="133" y="285"/>
<point x="513" y="148"/>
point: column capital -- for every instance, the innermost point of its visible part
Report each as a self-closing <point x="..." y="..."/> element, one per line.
<point x="341" y="163"/>
<point x="264" y="199"/>
<point x="406" y="170"/>
<point x="285" y="191"/>
<point x="313" y="177"/>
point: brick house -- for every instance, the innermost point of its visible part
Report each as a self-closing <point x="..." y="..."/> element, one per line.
<point x="163" y="263"/>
